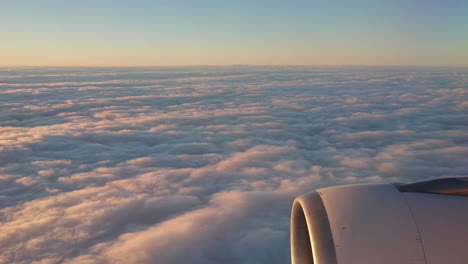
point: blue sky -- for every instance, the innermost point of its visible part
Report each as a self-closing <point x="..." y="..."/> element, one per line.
<point x="183" y="32"/>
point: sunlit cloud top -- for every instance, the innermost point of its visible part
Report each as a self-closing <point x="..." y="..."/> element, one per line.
<point x="200" y="165"/>
<point x="208" y="32"/>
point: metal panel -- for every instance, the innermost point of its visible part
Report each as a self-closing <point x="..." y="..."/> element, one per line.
<point x="372" y="224"/>
<point x="450" y="186"/>
<point x="443" y="224"/>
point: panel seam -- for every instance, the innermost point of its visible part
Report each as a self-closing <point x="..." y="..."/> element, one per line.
<point x="417" y="227"/>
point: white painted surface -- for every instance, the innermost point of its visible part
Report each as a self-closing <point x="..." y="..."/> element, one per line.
<point x="372" y="224"/>
<point x="443" y="224"/>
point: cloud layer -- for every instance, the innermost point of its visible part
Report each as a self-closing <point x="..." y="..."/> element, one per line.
<point x="201" y="164"/>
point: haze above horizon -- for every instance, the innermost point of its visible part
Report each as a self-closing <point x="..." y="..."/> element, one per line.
<point x="184" y="33"/>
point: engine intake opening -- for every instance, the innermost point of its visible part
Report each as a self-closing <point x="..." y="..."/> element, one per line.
<point x="311" y="236"/>
<point x="301" y="247"/>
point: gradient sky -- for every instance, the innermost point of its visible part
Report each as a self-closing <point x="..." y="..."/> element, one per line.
<point x="210" y="32"/>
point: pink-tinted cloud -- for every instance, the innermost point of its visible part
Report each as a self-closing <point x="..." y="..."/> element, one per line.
<point x="200" y="165"/>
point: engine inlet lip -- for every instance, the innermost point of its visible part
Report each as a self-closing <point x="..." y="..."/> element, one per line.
<point x="311" y="236"/>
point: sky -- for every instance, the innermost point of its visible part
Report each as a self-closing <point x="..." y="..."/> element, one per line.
<point x="209" y="32"/>
<point x="201" y="164"/>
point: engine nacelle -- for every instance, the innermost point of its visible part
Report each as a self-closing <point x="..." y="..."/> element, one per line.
<point x="419" y="223"/>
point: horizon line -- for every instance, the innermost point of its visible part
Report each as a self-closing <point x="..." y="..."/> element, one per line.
<point x="236" y="65"/>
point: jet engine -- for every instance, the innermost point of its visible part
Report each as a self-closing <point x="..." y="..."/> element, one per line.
<point x="417" y="223"/>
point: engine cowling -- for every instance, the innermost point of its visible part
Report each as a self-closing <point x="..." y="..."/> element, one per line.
<point x="425" y="222"/>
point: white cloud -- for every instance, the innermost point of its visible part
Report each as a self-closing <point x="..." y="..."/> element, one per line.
<point x="201" y="164"/>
